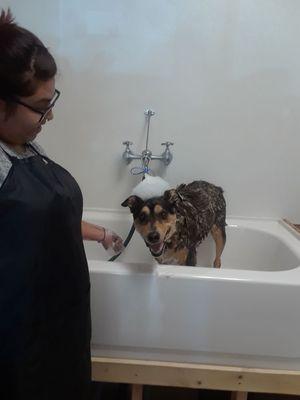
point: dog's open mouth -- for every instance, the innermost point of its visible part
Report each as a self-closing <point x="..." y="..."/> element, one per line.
<point x="157" y="248"/>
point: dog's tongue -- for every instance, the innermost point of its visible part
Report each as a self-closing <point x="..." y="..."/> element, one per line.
<point x="156" y="248"/>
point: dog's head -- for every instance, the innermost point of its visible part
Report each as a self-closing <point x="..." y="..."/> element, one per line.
<point x="154" y="219"/>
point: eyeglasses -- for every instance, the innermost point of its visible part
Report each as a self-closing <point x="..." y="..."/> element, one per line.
<point x="43" y="113"/>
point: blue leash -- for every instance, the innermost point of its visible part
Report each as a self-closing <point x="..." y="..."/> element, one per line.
<point x="141" y="170"/>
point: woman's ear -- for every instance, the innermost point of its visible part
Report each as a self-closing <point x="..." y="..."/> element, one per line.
<point x="5" y="111"/>
<point x="2" y="109"/>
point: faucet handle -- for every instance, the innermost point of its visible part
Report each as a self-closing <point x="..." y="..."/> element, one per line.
<point x="167" y="155"/>
<point x="167" y="144"/>
<point x="127" y="143"/>
<point x="128" y="154"/>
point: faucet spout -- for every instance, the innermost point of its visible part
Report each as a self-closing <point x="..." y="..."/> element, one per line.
<point x="128" y="154"/>
<point x="167" y="156"/>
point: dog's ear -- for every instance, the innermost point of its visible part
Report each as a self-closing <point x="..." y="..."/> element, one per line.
<point x="132" y="202"/>
<point x="170" y="196"/>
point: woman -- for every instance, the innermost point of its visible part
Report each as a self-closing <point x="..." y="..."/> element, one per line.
<point x="44" y="280"/>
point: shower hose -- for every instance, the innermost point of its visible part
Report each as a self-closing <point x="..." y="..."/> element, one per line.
<point x="135" y="171"/>
<point x="126" y="241"/>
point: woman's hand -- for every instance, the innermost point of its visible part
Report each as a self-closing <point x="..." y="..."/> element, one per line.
<point x="108" y="238"/>
<point x="112" y="241"/>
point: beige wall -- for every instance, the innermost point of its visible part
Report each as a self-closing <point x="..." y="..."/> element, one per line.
<point x="222" y="75"/>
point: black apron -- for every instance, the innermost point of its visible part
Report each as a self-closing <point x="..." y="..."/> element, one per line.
<point x="45" y="324"/>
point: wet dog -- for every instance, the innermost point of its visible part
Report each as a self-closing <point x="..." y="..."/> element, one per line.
<point x="174" y="224"/>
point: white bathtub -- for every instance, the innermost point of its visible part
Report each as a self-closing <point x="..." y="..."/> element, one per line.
<point x="247" y="313"/>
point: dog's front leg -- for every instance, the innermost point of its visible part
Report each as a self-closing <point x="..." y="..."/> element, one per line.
<point x="177" y="257"/>
<point x="191" y="259"/>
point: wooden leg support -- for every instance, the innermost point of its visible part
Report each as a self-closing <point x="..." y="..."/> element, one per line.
<point x="197" y="376"/>
<point x="136" y="392"/>
<point x="239" y="396"/>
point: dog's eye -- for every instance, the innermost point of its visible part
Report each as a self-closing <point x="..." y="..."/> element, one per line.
<point x="164" y="215"/>
<point x="143" y="217"/>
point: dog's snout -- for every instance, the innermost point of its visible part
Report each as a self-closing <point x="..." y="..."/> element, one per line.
<point x="153" y="237"/>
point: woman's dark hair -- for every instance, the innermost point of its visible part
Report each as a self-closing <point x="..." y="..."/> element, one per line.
<point x="24" y="60"/>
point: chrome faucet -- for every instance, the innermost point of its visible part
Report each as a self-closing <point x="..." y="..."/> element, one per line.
<point x="146" y="156"/>
<point x="166" y="156"/>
